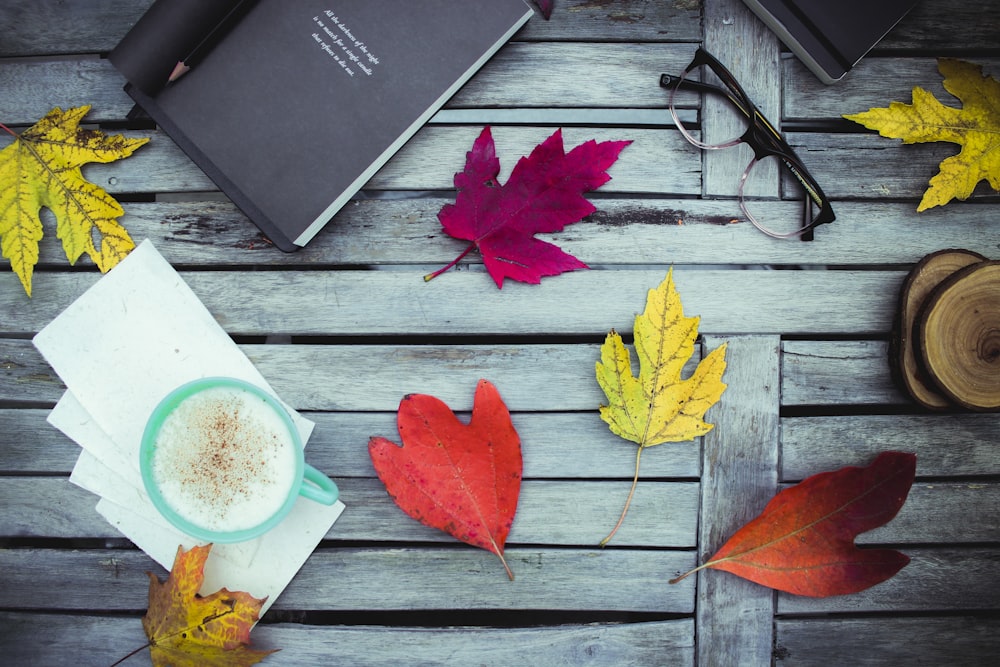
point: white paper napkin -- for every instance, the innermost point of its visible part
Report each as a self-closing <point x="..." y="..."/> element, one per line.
<point x="135" y="335"/>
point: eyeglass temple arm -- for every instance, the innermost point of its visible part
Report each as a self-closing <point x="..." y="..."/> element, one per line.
<point x="671" y="81"/>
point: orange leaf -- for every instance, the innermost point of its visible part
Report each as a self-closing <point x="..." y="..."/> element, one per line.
<point x="803" y="541"/>
<point x="186" y="629"/>
<point x="462" y="479"/>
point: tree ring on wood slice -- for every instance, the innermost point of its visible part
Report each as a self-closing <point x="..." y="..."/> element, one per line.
<point x="959" y="336"/>
<point x="904" y="359"/>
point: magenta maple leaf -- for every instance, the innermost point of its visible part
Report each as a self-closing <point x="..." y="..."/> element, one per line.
<point x="545" y="6"/>
<point x="543" y="194"/>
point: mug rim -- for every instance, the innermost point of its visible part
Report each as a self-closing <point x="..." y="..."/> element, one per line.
<point x="147" y="447"/>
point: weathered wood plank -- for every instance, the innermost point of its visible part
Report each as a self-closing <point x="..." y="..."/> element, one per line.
<point x="28" y="444"/>
<point x="24" y="375"/>
<point x="50" y="27"/>
<point x="734" y="616"/>
<point x="322" y="377"/>
<point x="868" y="166"/>
<point x="837" y="373"/>
<point x="621" y="232"/>
<point x="351" y="579"/>
<point x="732" y="33"/>
<point x="947" y="26"/>
<point x="83" y="641"/>
<point x="60" y="26"/>
<point x="874" y="642"/>
<point x="427" y="162"/>
<point x="57" y="27"/>
<point x="463" y="302"/>
<point x="613" y="76"/>
<point x="940" y="512"/>
<point x="853" y="166"/>
<point x="874" y="82"/>
<point x="946" y="445"/>
<point x="366" y="377"/>
<point x="663" y="514"/>
<point x="937" y="579"/>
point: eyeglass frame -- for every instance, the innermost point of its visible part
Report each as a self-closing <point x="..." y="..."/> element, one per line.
<point x="762" y="138"/>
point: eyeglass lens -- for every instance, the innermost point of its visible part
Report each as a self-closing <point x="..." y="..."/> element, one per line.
<point x="785" y="220"/>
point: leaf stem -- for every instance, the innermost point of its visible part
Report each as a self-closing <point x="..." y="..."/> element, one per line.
<point x="628" y="501"/>
<point x="121" y="660"/>
<point x="431" y="276"/>
<point x="8" y="130"/>
<point x="510" y="573"/>
<point x="692" y="571"/>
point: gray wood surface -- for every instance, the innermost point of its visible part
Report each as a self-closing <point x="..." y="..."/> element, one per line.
<point x="735" y="616"/>
<point x="414" y="577"/>
<point x="959" y="640"/>
<point x="97" y="641"/>
<point x="346" y="327"/>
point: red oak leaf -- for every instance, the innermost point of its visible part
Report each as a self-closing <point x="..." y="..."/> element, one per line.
<point x="803" y="541"/>
<point x="543" y="194"/>
<point x="463" y="479"/>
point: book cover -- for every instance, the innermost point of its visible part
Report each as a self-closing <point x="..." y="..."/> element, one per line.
<point x="297" y="103"/>
<point x="830" y="37"/>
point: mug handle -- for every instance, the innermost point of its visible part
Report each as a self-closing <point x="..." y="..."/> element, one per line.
<point x="317" y="486"/>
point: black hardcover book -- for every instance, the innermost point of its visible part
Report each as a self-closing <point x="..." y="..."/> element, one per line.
<point x="830" y="36"/>
<point x="290" y="106"/>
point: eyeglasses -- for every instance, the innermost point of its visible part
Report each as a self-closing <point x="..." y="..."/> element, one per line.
<point x="760" y="136"/>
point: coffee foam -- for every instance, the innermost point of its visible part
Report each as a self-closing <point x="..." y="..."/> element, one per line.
<point x="224" y="460"/>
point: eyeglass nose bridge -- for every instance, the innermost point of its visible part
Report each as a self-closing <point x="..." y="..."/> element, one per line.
<point x="761" y="142"/>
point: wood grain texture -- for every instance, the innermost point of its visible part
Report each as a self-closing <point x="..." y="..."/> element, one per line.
<point x="381" y="579"/>
<point x="937" y="579"/>
<point x="548" y="513"/>
<point x="623" y="232"/>
<point x="837" y="373"/>
<point x="464" y="302"/>
<point x="50" y="27"/>
<point x="734" y="616"/>
<point x="928" y="642"/>
<point x="93" y="640"/>
<point x="345" y="327"/>
<point x="619" y="76"/>
<point x="750" y="51"/>
<point x="945" y="445"/>
<point x="363" y="377"/>
<point x="556" y="445"/>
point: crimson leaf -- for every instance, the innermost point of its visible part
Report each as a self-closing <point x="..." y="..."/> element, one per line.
<point x="543" y="194"/>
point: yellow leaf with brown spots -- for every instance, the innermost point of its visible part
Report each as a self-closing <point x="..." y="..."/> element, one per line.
<point x="188" y="630"/>
<point x="41" y="169"/>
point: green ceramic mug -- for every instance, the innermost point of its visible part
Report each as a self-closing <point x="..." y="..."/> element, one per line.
<point x="222" y="461"/>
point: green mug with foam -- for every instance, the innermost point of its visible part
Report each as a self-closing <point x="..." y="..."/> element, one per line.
<point x="222" y="461"/>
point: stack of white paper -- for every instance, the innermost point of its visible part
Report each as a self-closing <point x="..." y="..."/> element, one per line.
<point x="138" y="333"/>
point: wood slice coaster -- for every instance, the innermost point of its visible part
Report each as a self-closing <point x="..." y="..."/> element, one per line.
<point x="958" y="333"/>
<point x="904" y="360"/>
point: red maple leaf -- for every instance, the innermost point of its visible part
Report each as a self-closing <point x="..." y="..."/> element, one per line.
<point x="803" y="541"/>
<point x="543" y="194"/>
<point x="463" y="479"/>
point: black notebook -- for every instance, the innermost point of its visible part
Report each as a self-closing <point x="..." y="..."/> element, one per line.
<point x="290" y="106"/>
<point x="830" y="36"/>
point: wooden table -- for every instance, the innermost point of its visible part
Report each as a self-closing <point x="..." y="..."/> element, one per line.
<point x="345" y="327"/>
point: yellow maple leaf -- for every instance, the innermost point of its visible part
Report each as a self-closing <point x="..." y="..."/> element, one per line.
<point x="185" y="629"/>
<point x="42" y="169"/>
<point x="975" y="127"/>
<point x="658" y="406"/>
